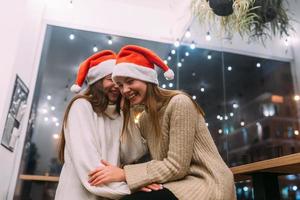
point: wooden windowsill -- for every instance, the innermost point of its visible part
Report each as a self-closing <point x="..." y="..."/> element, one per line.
<point x="289" y="164"/>
<point x="28" y="177"/>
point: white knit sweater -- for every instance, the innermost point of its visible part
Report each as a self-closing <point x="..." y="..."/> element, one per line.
<point x="89" y="138"/>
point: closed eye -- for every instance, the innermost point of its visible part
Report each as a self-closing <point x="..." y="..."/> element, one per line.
<point x="129" y="81"/>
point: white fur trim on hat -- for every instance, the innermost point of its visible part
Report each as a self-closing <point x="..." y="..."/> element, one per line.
<point x="100" y="71"/>
<point x="135" y="71"/>
<point x="75" y="88"/>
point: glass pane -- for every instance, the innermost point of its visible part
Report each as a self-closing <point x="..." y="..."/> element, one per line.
<point x="263" y="117"/>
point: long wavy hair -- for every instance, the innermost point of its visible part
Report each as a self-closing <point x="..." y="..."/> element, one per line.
<point x="98" y="98"/>
<point x="156" y="98"/>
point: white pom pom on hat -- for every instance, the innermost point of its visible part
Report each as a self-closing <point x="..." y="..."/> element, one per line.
<point x="75" y="88"/>
<point x="139" y="63"/>
<point x="169" y="74"/>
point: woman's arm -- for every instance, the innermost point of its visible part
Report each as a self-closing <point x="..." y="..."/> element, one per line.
<point x="182" y="116"/>
<point x="80" y="142"/>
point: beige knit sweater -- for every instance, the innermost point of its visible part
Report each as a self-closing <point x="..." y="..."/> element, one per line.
<point x="187" y="161"/>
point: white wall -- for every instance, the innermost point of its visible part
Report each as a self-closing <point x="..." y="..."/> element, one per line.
<point x="21" y="26"/>
<point x="23" y="23"/>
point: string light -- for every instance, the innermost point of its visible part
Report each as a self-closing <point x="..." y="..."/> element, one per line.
<point x="258" y="65"/>
<point x="187" y="54"/>
<point x="235" y="105"/>
<point x="295" y="188"/>
<point x="71" y="36"/>
<point x="109" y="41"/>
<point x="188" y="34"/>
<point x="176" y="43"/>
<point x="179" y="64"/>
<point x="208" y="36"/>
<point x="137" y="118"/>
<point x="55" y="136"/>
<point x="242" y="123"/>
<point x="229" y="68"/>
<point x="173" y="51"/>
<point x="95" y="48"/>
<point x="193" y="46"/>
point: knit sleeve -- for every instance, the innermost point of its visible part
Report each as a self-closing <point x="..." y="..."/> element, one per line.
<point x="80" y="142"/>
<point x="181" y="121"/>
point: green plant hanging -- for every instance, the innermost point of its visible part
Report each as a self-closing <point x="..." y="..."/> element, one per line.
<point x="257" y="19"/>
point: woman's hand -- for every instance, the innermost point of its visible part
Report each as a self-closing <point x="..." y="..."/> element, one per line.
<point x="106" y="174"/>
<point x="151" y="187"/>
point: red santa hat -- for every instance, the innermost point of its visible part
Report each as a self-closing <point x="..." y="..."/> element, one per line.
<point x="94" y="68"/>
<point x="139" y="63"/>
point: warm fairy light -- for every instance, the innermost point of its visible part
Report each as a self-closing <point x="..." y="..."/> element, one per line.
<point x="55" y="136"/>
<point x="137" y="118"/>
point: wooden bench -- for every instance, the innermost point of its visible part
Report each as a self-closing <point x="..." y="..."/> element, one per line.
<point x="264" y="174"/>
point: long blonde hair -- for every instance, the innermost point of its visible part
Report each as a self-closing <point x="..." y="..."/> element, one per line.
<point x="96" y="95"/>
<point x="156" y="98"/>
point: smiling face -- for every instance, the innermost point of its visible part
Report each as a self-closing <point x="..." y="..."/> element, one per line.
<point x="111" y="89"/>
<point x="132" y="89"/>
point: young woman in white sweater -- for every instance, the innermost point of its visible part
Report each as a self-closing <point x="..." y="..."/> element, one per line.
<point x="184" y="157"/>
<point x="91" y="132"/>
